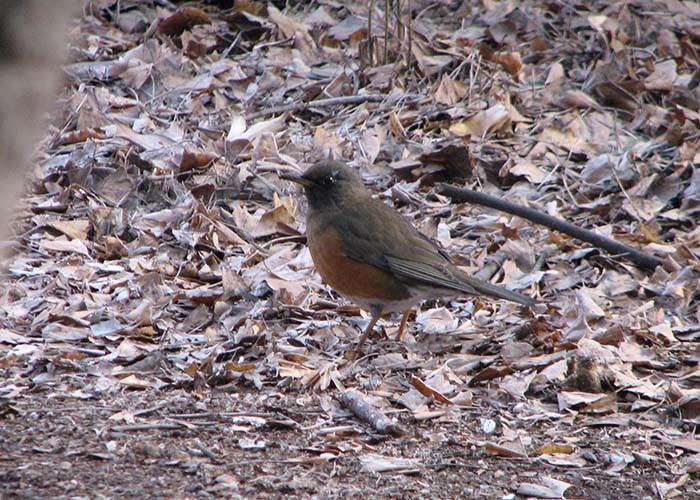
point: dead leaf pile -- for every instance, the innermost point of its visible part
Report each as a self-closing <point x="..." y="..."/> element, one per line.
<point x="158" y="249"/>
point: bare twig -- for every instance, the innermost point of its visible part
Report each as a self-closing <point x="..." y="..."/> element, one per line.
<point x="370" y="39"/>
<point x="387" y="10"/>
<point x="153" y="409"/>
<point x="191" y="416"/>
<point x="320" y="103"/>
<point x="145" y="427"/>
<point x="338" y="429"/>
<point x="639" y="258"/>
<point x="363" y="409"/>
<point x="199" y="446"/>
<point x="410" y="37"/>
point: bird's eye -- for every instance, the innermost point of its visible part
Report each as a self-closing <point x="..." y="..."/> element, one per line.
<point x="329" y="179"/>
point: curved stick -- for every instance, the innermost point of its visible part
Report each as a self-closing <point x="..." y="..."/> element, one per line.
<point x="639" y="258"/>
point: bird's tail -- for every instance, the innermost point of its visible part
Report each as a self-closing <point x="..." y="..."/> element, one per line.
<point x="485" y="288"/>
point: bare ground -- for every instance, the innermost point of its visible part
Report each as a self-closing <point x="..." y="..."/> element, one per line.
<point x="163" y="332"/>
<point x="71" y="449"/>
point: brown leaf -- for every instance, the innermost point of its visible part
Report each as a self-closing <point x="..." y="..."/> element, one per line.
<point x="552" y="448"/>
<point x="62" y="245"/>
<point x="293" y="29"/>
<point x="426" y="390"/>
<point x="456" y="159"/>
<point x="192" y="160"/>
<point x="450" y="91"/>
<point x="481" y="123"/>
<point x="511" y="62"/>
<point x="184" y="19"/>
<point x="76" y="229"/>
<point x="514" y="450"/>
<point x="350" y="28"/>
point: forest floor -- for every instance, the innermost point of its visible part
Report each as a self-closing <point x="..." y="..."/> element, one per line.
<point x="163" y="333"/>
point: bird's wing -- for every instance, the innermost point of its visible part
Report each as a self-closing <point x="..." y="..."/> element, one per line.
<point x="429" y="274"/>
<point x="385" y="233"/>
<point x="390" y="242"/>
<point x="451" y="278"/>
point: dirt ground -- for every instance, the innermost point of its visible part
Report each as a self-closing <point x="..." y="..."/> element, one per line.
<point x="163" y="333"/>
<point x="273" y="445"/>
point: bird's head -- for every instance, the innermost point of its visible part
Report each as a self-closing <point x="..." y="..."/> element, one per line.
<point x="328" y="183"/>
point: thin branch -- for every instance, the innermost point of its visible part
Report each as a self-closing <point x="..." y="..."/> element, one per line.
<point x="146" y="427"/>
<point x="360" y="407"/>
<point x="639" y="258"/>
<point x="320" y="103"/>
<point x="387" y="10"/>
<point x="410" y="38"/>
<point x="199" y="446"/>
<point x="370" y="40"/>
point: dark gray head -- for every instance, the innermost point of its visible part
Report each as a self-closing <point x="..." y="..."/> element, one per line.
<point x="327" y="183"/>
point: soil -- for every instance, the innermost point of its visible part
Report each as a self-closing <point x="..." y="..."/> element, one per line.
<point x="163" y="333"/>
<point x="70" y="449"/>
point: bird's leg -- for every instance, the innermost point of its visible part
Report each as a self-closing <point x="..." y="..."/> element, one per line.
<point x="376" y="313"/>
<point x="404" y="319"/>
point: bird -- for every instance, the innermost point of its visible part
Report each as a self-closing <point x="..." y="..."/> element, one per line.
<point x="373" y="256"/>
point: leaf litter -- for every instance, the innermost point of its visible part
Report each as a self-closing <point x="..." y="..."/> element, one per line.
<point x="161" y="309"/>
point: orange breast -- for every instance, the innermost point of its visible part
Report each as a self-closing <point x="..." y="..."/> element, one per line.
<point x="357" y="280"/>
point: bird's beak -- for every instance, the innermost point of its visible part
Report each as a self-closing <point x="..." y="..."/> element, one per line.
<point x="299" y="179"/>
